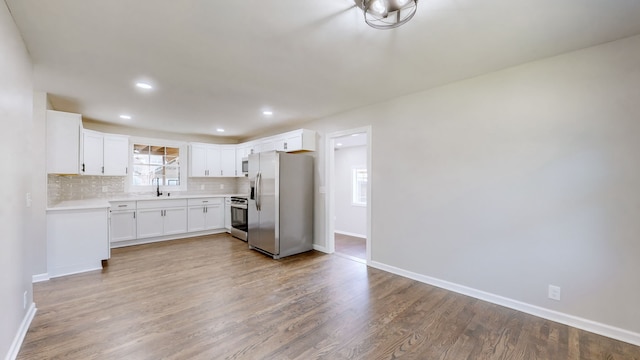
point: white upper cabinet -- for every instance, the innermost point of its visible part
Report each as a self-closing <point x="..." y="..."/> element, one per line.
<point x="104" y="154"/>
<point x="228" y="160"/>
<point x="92" y="153"/>
<point x="298" y="140"/>
<point x="116" y="155"/>
<point x="211" y="160"/>
<point x="63" y="142"/>
<point x="204" y="160"/>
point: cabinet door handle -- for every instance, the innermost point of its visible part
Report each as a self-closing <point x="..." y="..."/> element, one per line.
<point x="126" y="170"/>
<point x="82" y="167"/>
<point x="103" y="169"/>
<point x="134" y="214"/>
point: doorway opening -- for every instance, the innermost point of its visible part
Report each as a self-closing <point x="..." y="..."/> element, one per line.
<point x="349" y="194"/>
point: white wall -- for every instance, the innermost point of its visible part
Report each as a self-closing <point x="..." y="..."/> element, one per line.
<point x="16" y="93"/>
<point x="37" y="231"/>
<point x="518" y="179"/>
<point x="350" y="219"/>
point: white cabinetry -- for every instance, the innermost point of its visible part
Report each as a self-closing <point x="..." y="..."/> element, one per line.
<point x="63" y="142"/>
<point x="161" y="217"/>
<point x="116" y="155"/>
<point x="206" y="214"/>
<point x="122" y="224"/>
<point x="208" y="160"/>
<point x="298" y="140"/>
<point x="104" y="154"/>
<point x="77" y="240"/>
<point x="228" y="160"/>
<point x="204" y="160"/>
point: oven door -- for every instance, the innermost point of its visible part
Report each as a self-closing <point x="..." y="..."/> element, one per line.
<point x="239" y="223"/>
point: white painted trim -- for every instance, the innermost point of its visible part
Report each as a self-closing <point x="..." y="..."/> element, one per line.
<point x="75" y="269"/>
<point x="570" y="320"/>
<point x="350" y="234"/>
<point x="321" y="249"/>
<point x="330" y="188"/>
<point x="40" y="278"/>
<point x="22" y="332"/>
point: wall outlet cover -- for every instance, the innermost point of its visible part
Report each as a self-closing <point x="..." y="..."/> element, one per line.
<point x="554" y="292"/>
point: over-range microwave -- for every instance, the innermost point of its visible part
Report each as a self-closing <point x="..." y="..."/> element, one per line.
<point x="245" y="166"/>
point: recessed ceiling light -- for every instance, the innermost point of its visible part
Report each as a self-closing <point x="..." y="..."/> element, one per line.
<point x="125" y="117"/>
<point x="145" y="86"/>
<point x="267" y="113"/>
<point x="220" y="130"/>
<point x="339" y="144"/>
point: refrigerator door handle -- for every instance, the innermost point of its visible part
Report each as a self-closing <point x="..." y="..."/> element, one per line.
<point x="258" y="190"/>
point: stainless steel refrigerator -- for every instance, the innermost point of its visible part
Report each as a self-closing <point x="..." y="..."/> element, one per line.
<point x="280" y="214"/>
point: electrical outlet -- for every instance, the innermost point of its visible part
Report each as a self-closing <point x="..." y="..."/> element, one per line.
<point x="554" y="292"/>
<point x="105" y="188"/>
<point x="221" y="186"/>
<point x="28" y="199"/>
<point x="24" y="300"/>
<point x="202" y="187"/>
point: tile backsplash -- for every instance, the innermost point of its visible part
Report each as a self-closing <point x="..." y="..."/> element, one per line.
<point x="65" y="187"/>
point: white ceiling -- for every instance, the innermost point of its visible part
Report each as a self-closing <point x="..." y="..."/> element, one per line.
<point x="220" y="63"/>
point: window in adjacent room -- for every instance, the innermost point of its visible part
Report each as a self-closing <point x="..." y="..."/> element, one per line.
<point x="359" y="193"/>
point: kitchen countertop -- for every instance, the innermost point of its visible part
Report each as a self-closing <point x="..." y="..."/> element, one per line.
<point x="105" y="203"/>
<point x="80" y="204"/>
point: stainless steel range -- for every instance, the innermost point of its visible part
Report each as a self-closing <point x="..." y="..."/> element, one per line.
<point x="239" y="224"/>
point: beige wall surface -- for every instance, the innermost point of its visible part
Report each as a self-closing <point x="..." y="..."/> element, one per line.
<point x="519" y="179"/>
<point x="16" y="98"/>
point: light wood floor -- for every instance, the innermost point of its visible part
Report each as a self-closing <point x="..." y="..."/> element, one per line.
<point x="212" y="298"/>
<point x="351" y="245"/>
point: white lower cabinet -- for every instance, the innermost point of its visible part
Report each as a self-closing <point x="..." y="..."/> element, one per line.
<point x="206" y="214"/>
<point x="164" y="219"/>
<point x="161" y="217"/>
<point x="122" y="224"/>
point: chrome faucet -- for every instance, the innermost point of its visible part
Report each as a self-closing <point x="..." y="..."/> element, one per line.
<point x="158" y="193"/>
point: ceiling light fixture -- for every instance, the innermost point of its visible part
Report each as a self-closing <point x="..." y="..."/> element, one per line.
<point x="125" y="117"/>
<point x="145" y="86"/>
<point x="220" y="130"/>
<point x="387" y="14"/>
<point x="267" y="113"/>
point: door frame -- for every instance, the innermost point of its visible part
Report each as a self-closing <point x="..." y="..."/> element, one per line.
<point x="330" y="210"/>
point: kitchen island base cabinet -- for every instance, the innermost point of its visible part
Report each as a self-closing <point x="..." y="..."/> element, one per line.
<point x="77" y="240"/>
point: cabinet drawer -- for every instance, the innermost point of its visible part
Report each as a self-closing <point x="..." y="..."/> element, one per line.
<point x="161" y="204"/>
<point x="205" y="201"/>
<point x="122" y="205"/>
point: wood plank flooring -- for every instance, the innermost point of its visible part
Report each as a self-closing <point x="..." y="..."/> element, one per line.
<point x="351" y="245"/>
<point x="213" y="298"/>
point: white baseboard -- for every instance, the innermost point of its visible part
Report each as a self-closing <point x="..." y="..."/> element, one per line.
<point x="320" y="248"/>
<point x="22" y="332"/>
<point x="40" y="278"/>
<point x="350" y="234"/>
<point x="574" y="321"/>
